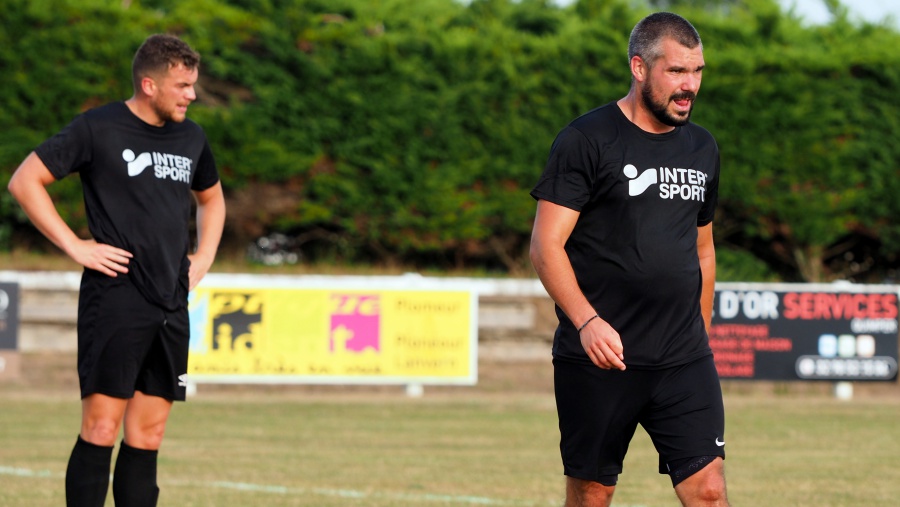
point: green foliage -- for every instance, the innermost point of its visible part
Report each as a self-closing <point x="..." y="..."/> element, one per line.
<point x="733" y="265"/>
<point x="805" y="130"/>
<point x="412" y="132"/>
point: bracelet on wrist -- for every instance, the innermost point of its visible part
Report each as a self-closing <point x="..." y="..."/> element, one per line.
<point x="588" y="322"/>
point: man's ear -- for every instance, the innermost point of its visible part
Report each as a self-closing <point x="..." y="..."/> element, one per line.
<point x="639" y="69"/>
<point x="148" y="86"/>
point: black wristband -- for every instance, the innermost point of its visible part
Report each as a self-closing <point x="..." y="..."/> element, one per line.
<point x="588" y="322"/>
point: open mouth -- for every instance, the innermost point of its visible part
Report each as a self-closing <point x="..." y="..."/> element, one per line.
<point x="683" y="101"/>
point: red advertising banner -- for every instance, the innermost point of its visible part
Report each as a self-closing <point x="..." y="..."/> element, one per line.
<point x="805" y="332"/>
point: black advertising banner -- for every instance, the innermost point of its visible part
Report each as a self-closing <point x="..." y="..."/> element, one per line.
<point x="805" y="332"/>
<point x="9" y="315"/>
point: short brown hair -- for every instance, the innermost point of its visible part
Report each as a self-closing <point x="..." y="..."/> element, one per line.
<point x="158" y="54"/>
<point x="647" y="35"/>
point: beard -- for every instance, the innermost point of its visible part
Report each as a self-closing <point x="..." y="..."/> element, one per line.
<point x="166" y="114"/>
<point x="660" y="109"/>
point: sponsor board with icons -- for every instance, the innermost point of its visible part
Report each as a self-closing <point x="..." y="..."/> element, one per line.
<point x="805" y="332"/>
<point x="341" y="335"/>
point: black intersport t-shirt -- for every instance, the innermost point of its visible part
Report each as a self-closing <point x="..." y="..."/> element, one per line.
<point x="641" y="197"/>
<point x="137" y="181"/>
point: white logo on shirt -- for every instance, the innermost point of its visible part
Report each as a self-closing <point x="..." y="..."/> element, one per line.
<point x="674" y="182"/>
<point x="639" y="184"/>
<point x="165" y="165"/>
<point x="136" y="165"/>
<point x="182" y="380"/>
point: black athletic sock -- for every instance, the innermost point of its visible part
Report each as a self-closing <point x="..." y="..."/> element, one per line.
<point x="87" y="476"/>
<point x="134" y="481"/>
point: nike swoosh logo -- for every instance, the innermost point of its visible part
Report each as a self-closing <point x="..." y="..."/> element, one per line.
<point x="720" y="444"/>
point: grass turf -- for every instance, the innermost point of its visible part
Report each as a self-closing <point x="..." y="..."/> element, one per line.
<point x="494" y="444"/>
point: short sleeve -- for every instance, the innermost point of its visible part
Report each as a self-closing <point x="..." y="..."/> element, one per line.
<point x="207" y="175"/>
<point x="708" y="209"/>
<point x="68" y="151"/>
<point x="570" y="171"/>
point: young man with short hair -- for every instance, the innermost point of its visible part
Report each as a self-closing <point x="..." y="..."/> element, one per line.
<point x="141" y="164"/>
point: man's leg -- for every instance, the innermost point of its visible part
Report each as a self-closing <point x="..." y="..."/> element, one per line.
<point x="87" y="474"/>
<point x="598" y="415"/>
<point x="687" y="426"/>
<point x="134" y="482"/>
<point x="581" y="493"/>
<point x="706" y="488"/>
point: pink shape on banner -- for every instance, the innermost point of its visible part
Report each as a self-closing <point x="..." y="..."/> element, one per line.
<point x="355" y="329"/>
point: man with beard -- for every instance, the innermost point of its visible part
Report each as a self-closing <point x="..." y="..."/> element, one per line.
<point x="141" y="164"/>
<point x="623" y="243"/>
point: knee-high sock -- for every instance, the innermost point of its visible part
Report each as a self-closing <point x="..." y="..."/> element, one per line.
<point x="87" y="475"/>
<point x="134" y="480"/>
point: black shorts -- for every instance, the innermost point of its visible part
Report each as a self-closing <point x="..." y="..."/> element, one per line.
<point x="680" y="408"/>
<point x="126" y="343"/>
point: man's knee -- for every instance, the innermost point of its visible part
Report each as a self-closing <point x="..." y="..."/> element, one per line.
<point x="100" y="434"/>
<point x="144" y="435"/>
<point x="705" y="485"/>
<point x="145" y="441"/>
<point x="145" y="421"/>
<point x="100" y="430"/>
<point x="101" y="418"/>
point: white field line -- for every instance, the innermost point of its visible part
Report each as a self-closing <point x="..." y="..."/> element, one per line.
<point x="329" y="492"/>
<point x="291" y="491"/>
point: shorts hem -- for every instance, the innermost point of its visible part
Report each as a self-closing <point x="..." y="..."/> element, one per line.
<point x="718" y="453"/>
<point x="112" y="394"/>
<point x="575" y="474"/>
<point x="165" y="396"/>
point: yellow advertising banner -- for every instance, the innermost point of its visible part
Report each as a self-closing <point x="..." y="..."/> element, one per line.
<point x="332" y="336"/>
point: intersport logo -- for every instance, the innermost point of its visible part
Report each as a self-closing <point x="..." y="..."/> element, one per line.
<point x="165" y="165"/>
<point x="673" y="182"/>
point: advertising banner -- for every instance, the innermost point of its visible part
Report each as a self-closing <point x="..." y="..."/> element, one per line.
<point x="9" y="316"/>
<point x="279" y="335"/>
<point x="805" y="332"/>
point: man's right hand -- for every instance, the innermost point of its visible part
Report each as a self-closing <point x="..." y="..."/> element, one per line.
<point x="603" y="345"/>
<point x="28" y="186"/>
<point x="101" y="257"/>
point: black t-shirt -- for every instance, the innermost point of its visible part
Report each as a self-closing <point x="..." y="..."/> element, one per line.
<point x="137" y="181"/>
<point x="641" y="197"/>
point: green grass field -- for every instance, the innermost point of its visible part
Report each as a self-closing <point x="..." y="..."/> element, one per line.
<point x="493" y="444"/>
